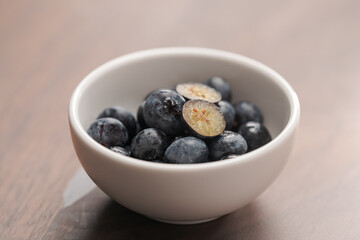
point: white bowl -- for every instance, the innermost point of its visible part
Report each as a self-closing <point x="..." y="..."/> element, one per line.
<point x="190" y="193"/>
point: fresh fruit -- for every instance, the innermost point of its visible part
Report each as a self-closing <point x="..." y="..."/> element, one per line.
<point x="109" y="132"/>
<point x="198" y="91"/>
<point x="140" y="115"/>
<point x="187" y="150"/>
<point x="149" y="144"/>
<point x="120" y="150"/>
<point x="227" y="143"/>
<point x="162" y="110"/>
<point x="221" y="85"/>
<point x="255" y="134"/>
<point x="229" y="113"/>
<point x="123" y="115"/>
<point x="246" y="111"/>
<point x="203" y="118"/>
<point x="171" y="124"/>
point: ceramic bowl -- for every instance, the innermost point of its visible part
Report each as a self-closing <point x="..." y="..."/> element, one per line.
<point x="191" y="193"/>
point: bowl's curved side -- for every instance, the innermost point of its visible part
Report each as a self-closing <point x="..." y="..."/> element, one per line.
<point x="183" y="196"/>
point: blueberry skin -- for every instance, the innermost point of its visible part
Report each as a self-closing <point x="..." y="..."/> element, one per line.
<point x="109" y="132"/>
<point x="187" y="150"/>
<point x="162" y="110"/>
<point x="120" y="150"/>
<point x="123" y="115"/>
<point x="246" y="111"/>
<point x="221" y="85"/>
<point x="140" y="116"/>
<point x="255" y="134"/>
<point x="226" y="143"/>
<point x="229" y="113"/>
<point x="149" y="144"/>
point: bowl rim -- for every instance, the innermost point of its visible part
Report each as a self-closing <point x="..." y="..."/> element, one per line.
<point x="77" y="128"/>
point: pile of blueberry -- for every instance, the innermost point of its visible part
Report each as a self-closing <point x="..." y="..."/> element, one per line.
<point x="193" y="123"/>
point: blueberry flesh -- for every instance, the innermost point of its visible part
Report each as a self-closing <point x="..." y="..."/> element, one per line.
<point x="230" y="156"/>
<point x="229" y="113"/>
<point x="123" y="115"/>
<point x="149" y="144"/>
<point x="108" y="132"/>
<point x="227" y="143"/>
<point x="140" y="115"/>
<point x="221" y="85"/>
<point x="246" y="111"/>
<point x="162" y="110"/>
<point x="255" y="134"/>
<point x="120" y="150"/>
<point x="187" y="150"/>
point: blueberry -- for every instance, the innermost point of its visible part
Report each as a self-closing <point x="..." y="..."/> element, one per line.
<point x="187" y="150"/>
<point x="149" y="144"/>
<point x="201" y="91"/>
<point x="203" y="119"/>
<point x="246" y="111"/>
<point x="120" y="150"/>
<point x="255" y="134"/>
<point x="109" y="132"/>
<point x="124" y="116"/>
<point x="162" y="110"/>
<point x="221" y="85"/>
<point x="227" y="143"/>
<point x="229" y="113"/>
<point x="140" y="115"/>
<point x="230" y="156"/>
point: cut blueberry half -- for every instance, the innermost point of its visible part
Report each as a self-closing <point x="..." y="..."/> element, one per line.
<point x="203" y="118"/>
<point x="198" y="91"/>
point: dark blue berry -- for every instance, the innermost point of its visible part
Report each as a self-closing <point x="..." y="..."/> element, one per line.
<point x="162" y="110"/>
<point x="149" y="144"/>
<point x="229" y="113"/>
<point x="120" y="150"/>
<point x="123" y="115"/>
<point x="221" y="85"/>
<point x="140" y="115"/>
<point x="187" y="150"/>
<point x="226" y="143"/>
<point x="246" y="111"/>
<point x="255" y="134"/>
<point x="109" y="132"/>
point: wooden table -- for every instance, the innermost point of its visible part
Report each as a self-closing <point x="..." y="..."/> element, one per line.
<point x="47" y="47"/>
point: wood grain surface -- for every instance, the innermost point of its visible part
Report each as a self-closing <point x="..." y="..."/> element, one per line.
<point x="47" y="47"/>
